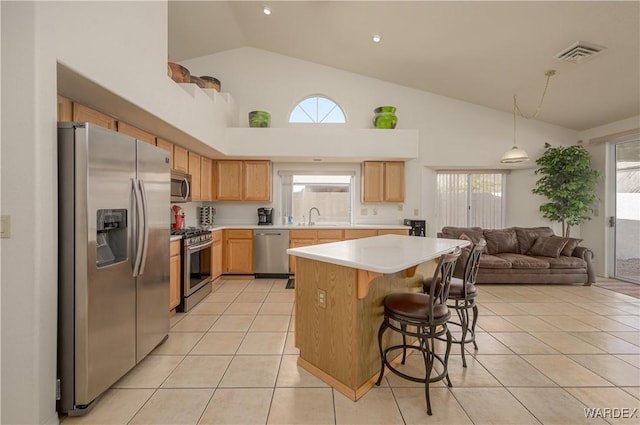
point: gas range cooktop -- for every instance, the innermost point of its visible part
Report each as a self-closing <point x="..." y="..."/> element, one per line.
<point x="189" y="232"/>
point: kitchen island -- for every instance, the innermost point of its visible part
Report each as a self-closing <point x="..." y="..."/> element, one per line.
<point x="339" y="291"/>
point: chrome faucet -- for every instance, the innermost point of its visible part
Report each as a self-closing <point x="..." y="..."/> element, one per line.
<point x="311" y="209"/>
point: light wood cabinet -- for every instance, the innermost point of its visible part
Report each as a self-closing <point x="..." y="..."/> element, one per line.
<point x="174" y="274"/>
<point x="359" y="233"/>
<point x="305" y="237"/>
<point x="382" y="181"/>
<point x="180" y="159"/>
<point x="238" y="251"/>
<point x="167" y="146"/>
<point x="83" y="113"/>
<point x="216" y="254"/>
<point x="243" y="180"/>
<point x="404" y="232"/>
<point x="257" y="180"/>
<point x="206" y="179"/>
<point x="194" y="170"/>
<point x="135" y="132"/>
<point x="65" y="109"/>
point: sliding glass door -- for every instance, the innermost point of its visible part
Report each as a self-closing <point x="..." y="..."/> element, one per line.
<point x="626" y="212"/>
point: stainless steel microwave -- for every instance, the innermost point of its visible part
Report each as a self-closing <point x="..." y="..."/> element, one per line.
<point x="180" y="187"/>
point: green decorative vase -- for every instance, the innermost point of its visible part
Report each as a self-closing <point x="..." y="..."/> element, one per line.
<point x="385" y="117"/>
<point x="259" y="119"/>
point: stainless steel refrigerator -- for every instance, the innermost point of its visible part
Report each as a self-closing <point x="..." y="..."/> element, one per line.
<point x="113" y="301"/>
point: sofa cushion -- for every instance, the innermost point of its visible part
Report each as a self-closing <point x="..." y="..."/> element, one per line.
<point x="564" y="262"/>
<point x="548" y="246"/>
<point x="501" y="240"/>
<point x="571" y="245"/>
<point x="528" y="235"/>
<point x="474" y="233"/>
<point x="519" y="261"/>
<point x="488" y="261"/>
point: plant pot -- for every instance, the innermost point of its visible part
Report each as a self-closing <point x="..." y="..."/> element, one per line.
<point x="385" y="117"/>
<point x="259" y="119"/>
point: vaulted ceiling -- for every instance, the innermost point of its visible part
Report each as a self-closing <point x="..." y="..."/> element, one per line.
<point x="479" y="52"/>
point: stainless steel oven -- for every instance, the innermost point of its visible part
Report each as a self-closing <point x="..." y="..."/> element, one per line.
<point x="197" y="249"/>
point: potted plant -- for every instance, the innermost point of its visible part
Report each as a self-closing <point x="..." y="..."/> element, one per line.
<point x="568" y="182"/>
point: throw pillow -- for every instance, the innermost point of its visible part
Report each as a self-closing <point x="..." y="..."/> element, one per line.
<point x="548" y="246"/>
<point x="571" y="245"/>
<point x="501" y="240"/>
<point x="528" y="235"/>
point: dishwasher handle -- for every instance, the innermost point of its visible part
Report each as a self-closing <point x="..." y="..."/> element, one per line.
<point x="268" y="234"/>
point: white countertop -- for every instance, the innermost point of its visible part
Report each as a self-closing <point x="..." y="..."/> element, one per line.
<point x="314" y="227"/>
<point x="382" y="254"/>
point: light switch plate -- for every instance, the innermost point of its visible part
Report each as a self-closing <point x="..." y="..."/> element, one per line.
<point x="5" y="226"/>
<point x="364" y="211"/>
<point x="416" y="212"/>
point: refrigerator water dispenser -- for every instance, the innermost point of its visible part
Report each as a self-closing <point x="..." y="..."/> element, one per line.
<point x="111" y="237"/>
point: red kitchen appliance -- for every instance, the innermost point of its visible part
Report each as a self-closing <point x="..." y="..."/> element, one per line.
<point x="178" y="217"/>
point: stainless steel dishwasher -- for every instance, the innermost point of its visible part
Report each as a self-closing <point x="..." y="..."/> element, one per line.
<point x="270" y="257"/>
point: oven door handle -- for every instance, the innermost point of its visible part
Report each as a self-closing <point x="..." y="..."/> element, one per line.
<point x="193" y="248"/>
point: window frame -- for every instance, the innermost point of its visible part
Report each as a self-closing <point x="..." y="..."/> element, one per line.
<point x="317" y="96"/>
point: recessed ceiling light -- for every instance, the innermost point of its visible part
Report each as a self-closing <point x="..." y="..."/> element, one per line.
<point x="376" y="38"/>
<point x="266" y="10"/>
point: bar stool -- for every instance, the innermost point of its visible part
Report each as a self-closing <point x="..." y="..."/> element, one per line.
<point x="422" y="316"/>
<point x="462" y="298"/>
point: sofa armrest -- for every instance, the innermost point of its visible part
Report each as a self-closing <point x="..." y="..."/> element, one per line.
<point x="587" y="255"/>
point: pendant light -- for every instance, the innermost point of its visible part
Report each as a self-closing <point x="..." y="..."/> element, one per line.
<point x="515" y="154"/>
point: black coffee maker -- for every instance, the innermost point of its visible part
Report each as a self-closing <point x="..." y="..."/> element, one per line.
<point x="265" y="216"/>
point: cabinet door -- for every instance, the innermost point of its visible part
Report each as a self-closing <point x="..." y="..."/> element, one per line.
<point x="65" y="109"/>
<point x="83" y="113"/>
<point x="174" y="274"/>
<point x="180" y="159"/>
<point x="257" y="181"/>
<point x="239" y="256"/>
<point x="205" y="179"/>
<point x="372" y="181"/>
<point x="135" y="132"/>
<point x="297" y="243"/>
<point x="167" y="146"/>
<point x="194" y="170"/>
<point x="216" y="255"/>
<point x="394" y="181"/>
<point x="229" y="180"/>
<point x="393" y="232"/>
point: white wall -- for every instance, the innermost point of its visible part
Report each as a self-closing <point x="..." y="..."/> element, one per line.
<point x="452" y="133"/>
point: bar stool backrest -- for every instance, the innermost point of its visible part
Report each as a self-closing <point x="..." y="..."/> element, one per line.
<point x="442" y="275"/>
<point x="473" y="262"/>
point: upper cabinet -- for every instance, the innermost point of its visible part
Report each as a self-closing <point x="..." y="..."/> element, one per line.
<point x="83" y="113"/>
<point x="136" y="133"/>
<point x="243" y="180"/>
<point x="194" y="170"/>
<point x="167" y="146"/>
<point x="206" y="179"/>
<point x="382" y="181"/>
<point x="65" y="109"/>
<point x="180" y="159"/>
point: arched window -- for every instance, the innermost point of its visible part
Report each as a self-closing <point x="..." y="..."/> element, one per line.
<point x="317" y="109"/>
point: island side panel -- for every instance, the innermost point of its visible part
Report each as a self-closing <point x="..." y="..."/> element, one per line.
<point x="326" y="336"/>
<point x="369" y="318"/>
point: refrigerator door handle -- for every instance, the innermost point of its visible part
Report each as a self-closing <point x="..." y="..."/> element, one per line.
<point x="138" y="228"/>
<point x="145" y="231"/>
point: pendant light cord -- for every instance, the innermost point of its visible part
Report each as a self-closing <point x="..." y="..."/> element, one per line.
<point x="549" y="74"/>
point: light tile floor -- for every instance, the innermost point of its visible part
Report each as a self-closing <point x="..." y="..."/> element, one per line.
<point x="545" y="354"/>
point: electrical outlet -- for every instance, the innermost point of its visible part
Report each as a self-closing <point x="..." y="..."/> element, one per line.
<point x="416" y="212"/>
<point x="364" y="211"/>
<point x="400" y="207"/>
<point x="375" y="211"/>
<point x="322" y="298"/>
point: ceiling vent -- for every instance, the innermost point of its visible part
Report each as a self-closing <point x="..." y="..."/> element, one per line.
<point x="579" y="52"/>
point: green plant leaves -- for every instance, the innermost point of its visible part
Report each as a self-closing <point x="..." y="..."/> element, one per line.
<point x="568" y="182"/>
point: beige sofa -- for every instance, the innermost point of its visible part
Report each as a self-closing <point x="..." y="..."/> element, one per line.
<point x="526" y="255"/>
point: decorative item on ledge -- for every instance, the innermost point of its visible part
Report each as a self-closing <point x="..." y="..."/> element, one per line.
<point x="210" y="83"/>
<point x="385" y="117"/>
<point x="179" y="73"/>
<point x="197" y="81"/>
<point x="259" y="119"/>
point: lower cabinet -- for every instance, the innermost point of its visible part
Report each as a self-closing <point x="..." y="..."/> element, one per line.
<point x="174" y="274"/>
<point x="216" y="256"/>
<point x="238" y="251"/>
